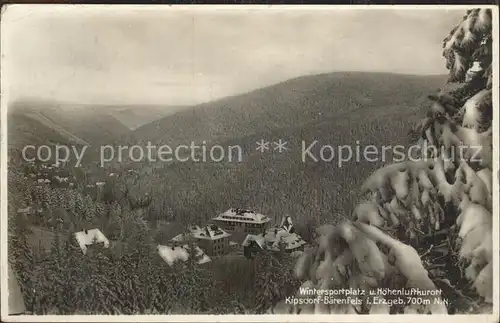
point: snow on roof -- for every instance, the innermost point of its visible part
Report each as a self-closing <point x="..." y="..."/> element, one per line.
<point x="293" y="241"/>
<point x="274" y="234"/>
<point x="259" y="239"/>
<point x="194" y="227"/>
<point x="86" y="238"/>
<point x="210" y="231"/>
<point x="171" y="254"/>
<point x="181" y="237"/>
<point x="241" y="215"/>
<point x="273" y="237"/>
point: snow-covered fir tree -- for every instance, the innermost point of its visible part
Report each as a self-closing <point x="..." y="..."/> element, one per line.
<point x="425" y="224"/>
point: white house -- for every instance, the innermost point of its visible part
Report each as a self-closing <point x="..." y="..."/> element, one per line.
<point x="87" y="237"/>
<point x="211" y="239"/>
<point x="171" y="254"/>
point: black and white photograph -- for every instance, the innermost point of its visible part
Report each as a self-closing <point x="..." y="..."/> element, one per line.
<point x="272" y="163"/>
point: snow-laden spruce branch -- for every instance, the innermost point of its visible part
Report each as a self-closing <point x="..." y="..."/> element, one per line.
<point x="424" y="225"/>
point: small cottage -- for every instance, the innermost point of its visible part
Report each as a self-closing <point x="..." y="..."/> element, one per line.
<point x="86" y="238"/>
<point x="173" y="253"/>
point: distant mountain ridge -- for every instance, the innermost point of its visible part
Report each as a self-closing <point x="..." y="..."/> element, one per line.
<point x="38" y="122"/>
<point x="88" y="126"/>
<point x="130" y="115"/>
<point x="293" y="102"/>
<point x="135" y="116"/>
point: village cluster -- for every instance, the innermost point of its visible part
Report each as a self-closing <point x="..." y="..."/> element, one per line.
<point x="57" y="175"/>
<point x="216" y="239"/>
<point x="234" y="232"/>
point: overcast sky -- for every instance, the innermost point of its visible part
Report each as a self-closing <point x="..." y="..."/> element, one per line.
<point x="126" y="55"/>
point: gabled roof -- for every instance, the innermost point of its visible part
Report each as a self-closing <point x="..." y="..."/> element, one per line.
<point x="273" y="237"/>
<point x="87" y="237"/>
<point x="171" y="254"/>
<point x="259" y="239"/>
<point x="275" y="234"/>
<point x="293" y="241"/>
<point x="182" y="237"/>
<point x="242" y="215"/>
<point x="210" y="232"/>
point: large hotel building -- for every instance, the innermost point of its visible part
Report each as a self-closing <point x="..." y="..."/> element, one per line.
<point x="250" y="221"/>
